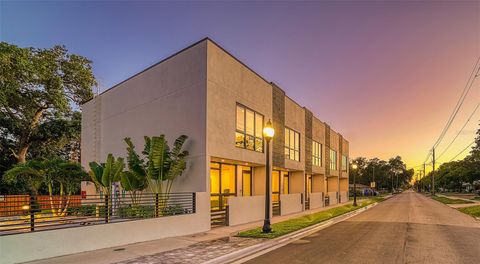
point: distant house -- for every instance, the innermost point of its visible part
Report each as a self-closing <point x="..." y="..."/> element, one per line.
<point x="364" y="189"/>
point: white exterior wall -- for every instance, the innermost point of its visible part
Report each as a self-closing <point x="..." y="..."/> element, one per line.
<point x="343" y="197"/>
<point x="316" y="200"/>
<point x="168" y="98"/>
<point x="245" y="209"/>
<point x="332" y="198"/>
<point x="230" y="82"/>
<point x="290" y="203"/>
<point x="46" y="244"/>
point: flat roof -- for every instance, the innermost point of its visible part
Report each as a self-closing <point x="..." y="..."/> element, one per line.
<point x="220" y="47"/>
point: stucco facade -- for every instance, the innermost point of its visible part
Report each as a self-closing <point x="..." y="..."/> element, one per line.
<point x="201" y="92"/>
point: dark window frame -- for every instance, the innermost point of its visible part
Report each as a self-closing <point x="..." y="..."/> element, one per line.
<point x="317" y="160"/>
<point x="290" y="147"/>
<point x="244" y="132"/>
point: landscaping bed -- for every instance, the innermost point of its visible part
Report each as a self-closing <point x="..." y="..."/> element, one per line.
<point x="289" y="226"/>
<point x="471" y="210"/>
<point x="446" y="200"/>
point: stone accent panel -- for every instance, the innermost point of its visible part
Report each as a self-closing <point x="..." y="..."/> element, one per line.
<point x="327" y="150"/>
<point x="278" y="116"/>
<point x="308" y="141"/>
<point x="340" y="155"/>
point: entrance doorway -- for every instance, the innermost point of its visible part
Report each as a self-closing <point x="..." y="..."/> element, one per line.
<point x="223" y="184"/>
<point x="308" y="190"/>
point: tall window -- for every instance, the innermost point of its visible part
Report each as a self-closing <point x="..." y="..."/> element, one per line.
<point x="344" y="163"/>
<point x="249" y="130"/>
<point x="316" y="154"/>
<point x="333" y="159"/>
<point x="292" y="144"/>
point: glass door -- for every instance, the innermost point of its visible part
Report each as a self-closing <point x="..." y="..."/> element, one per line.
<point x="246" y="182"/>
<point x="222" y="184"/>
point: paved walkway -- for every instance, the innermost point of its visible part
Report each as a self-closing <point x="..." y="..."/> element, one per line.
<point x="195" y="248"/>
<point x="467" y="203"/>
<point x="407" y="228"/>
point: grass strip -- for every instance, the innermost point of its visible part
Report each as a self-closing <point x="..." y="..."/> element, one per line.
<point x="446" y="200"/>
<point x="292" y="225"/>
<point x="471" y="210"/>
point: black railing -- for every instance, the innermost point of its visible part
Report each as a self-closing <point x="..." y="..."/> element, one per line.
<point x="38" y="213"/>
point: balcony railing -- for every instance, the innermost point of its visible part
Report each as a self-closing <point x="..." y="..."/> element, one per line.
<point x="37" y="213"/>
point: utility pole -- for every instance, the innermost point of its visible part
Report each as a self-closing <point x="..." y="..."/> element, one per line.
<point x="433" y="172"/>
<point x="374" y="179"/>
<point x="424" y="171"/>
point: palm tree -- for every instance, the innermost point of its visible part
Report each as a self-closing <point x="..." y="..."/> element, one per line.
<point x="55" y="174"/>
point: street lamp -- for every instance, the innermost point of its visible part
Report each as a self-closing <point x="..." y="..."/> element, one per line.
<point x="354" y="166"/>
<point x="268" y="133"/>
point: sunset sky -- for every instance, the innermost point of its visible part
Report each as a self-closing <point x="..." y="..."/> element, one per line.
<point x="386" y="75"/>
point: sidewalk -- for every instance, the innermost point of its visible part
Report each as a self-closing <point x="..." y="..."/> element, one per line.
<point x="195" y="248"/>
<point x="472" y="202"/>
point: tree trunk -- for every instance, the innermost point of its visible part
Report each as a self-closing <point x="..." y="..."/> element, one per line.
<point x="22" y="154"/>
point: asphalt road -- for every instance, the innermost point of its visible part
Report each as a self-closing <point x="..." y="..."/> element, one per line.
<point x="407" y="228"/>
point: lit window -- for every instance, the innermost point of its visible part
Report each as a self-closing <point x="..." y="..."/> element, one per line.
<point x="316" y="154"/>
<point x="292" y="144"/>
<point x="248" y="134"/>
<point x="333" y="159"/>
<point x="344" y="163"/>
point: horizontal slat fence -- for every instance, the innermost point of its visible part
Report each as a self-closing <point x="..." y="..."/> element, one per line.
<point x="24" y="213"/>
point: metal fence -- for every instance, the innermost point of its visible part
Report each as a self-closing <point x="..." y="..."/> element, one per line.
<point x="35" y="213"/>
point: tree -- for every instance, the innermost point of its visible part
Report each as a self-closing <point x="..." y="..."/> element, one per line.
<point x="61" y="178"/>
<point x="30" y="174"/>
<point x="38" y="86"/>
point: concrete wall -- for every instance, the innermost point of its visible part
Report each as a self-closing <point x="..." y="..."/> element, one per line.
<point x="316" y="200"/>
<point x="344" y="184"/>
<point x="318" y="183"/>
<point x="333" y="198"/>
<point x="259" y="180"/>
<point x="168" y="98"/>
<point x="297" y="182"/>
<point x="332" y="185"/>
<point x="343" y="197"/>
<point x="230" y="82"/>
<point x="47" y="244"/>
<point x="290" y="203"/>
<point x="245" y="209"/>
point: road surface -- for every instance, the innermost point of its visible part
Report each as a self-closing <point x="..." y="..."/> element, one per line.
<point x="407" y="228"/>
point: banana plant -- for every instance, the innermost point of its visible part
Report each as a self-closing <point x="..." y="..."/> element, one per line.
<point x="135" y="180"/>
<point x="162" y="166"/>
<point x="105" y="174"/>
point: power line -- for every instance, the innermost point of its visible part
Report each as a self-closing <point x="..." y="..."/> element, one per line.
<point x="456" y="136"/>
<point x="462" y="150"/>
<point x="457" y="107"/>
<point x="460" y="101"/>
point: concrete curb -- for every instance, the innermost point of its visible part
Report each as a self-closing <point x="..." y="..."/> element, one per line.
<point x="250" y="252"/>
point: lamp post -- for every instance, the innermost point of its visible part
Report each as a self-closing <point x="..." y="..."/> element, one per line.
<point x="354" y="166"/>
<point x="268" y="133"/>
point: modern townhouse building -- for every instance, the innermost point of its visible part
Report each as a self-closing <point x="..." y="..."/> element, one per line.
<point x="222" y="106"/>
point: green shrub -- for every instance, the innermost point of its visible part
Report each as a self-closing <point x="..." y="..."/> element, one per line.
<point x="136" y="211"/>
<point x="173" y="210"/>
<point x="87" y="210"/>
